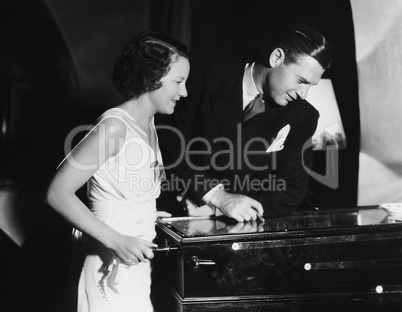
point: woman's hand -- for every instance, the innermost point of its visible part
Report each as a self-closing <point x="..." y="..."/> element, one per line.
<point x="132" y="250"/>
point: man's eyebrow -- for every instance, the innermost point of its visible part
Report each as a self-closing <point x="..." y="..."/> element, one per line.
<point x="304" y="80"/>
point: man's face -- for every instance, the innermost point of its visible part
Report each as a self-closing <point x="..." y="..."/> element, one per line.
<point x="285" y="83"/>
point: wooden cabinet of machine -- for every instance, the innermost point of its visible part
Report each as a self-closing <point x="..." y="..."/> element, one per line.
<point x="336" y="260"/>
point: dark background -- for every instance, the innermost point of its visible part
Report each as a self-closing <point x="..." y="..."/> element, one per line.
<point x="56" y="59"/>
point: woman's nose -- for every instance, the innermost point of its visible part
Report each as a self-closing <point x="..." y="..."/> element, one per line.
<point x="183" y="91"/>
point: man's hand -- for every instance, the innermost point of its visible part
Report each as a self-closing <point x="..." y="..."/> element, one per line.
<point x="163" y="214"/>
<point x="236" y="206"/>
<point x="196" y="211"/>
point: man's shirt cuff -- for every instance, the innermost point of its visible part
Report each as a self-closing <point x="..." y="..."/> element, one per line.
<point x="207" y="197"/>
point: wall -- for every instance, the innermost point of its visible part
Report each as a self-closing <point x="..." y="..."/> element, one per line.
<point x="95" y="32"/>
<point x="378" y="34"/>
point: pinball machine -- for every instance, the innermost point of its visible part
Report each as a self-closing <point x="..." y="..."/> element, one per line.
<point x="332" y="260"/>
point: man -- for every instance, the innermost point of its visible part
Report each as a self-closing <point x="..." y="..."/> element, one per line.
<point x="247" y="166"/>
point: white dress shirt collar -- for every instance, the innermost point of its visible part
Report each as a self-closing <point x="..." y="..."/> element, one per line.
<point x="250" y="90"/>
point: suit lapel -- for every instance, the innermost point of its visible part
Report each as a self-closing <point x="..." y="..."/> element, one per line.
<point x="265" y="125"/>
<point x="227" y="106"/>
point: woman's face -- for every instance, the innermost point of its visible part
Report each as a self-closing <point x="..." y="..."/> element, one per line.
<point x="173" y="86"/>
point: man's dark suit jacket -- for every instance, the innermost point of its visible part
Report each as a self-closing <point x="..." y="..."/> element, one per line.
<point x="216" y="142"/>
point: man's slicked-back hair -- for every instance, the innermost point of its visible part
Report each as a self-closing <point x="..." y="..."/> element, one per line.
<point x="297" y="40"/>
<point x="144" y="61"/>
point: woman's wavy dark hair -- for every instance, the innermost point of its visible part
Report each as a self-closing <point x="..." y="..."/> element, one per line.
<point x="144" y="61"/>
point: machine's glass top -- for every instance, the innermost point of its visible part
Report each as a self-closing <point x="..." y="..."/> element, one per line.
<point x="357" y="218"/>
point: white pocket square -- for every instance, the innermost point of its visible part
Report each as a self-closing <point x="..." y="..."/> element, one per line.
<point x="280" y="139"/>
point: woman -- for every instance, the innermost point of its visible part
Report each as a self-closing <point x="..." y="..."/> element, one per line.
<point x="120" y="161"/>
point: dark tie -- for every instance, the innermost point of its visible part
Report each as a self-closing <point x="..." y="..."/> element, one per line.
<point x="255" y="107"/>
